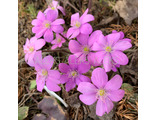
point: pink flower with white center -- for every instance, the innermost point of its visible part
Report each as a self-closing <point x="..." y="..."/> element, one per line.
<point x="55" y="6"/>
<point x="102" y="90"/>
<point x="44" y="73"/>
<point x="73" y="72"/>
<point x="109" y="50"/>
<point x="58" y="41"/>
<point x="83" y="48"/>
<point x="30" y="48"/>
<point x="45" y="25"/>
<point x="80" y="25"/>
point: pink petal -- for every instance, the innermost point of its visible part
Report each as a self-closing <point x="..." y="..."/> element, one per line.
<point x="63" y="78"/>
<point x="78" y="81"/>
<point x="70" y="85"/>
<point x="70" y="32"/>
<point x="114" y="84"/>
<point x="100" y="108"/>
<point x="40" y="33"/>
<point x="78" y="54"/>
<point x="57" y="28"/>
<point x="116" y="95"/>
<point x="48" y="36"/>
<point x="84" y="78"/>
<point x="83" y="39"/>
<point x="48" y="62"/>
<point x="54" y="74"/>
<point x="51" y="15"/>
<point x="126" y="39"/>
<point x="73" y="62"/>
<point x="40" y="84"/>
<point x="58" y="22"/>
<point x="99" y="56"/>
<point x="88" y="99"/>
<point x="33" y="40"/>
<point x="38" y="59"/>
<point x="52" y="79"/>
<point x="62" y="10"/>
<point x="121" y="35"/>
<point x="102" y="40"/>
<point x="41" y="16"/>
<point x="86" y="29"/>
<point x="75" y="33"/>
<point x="55" y="3"/>
<point x="74" y="46"/>
<point x="64" y="68"/>
<point x="113" y="38"/>
<point x="109" y="105"/>
<point x="107" y="62"/>
<point x="83" y="67"/>
<point x="36" y="29"/>
<point x="26" y="57"/>
<point x="87" y="18"/>
<point x="97" y="47"/>
<point x="93" y="60"/>
<point x="75" y="17"/>
<point x="52" y="86"/>
<point x="122" y="45"/>
<point x="94" y="37"/>
<point x="114" y="31"/>
<point x="31" y="59"/>
<point x="119" y="57"/>
<point x="36" y="22"/>
<point x="84" y="14"/>
<point x="86" y="87"/>
<point x="81" y="58"/>
<point x="54" y="46"/>
<point x="39" y="44"/>
<point x="99" y="77"/>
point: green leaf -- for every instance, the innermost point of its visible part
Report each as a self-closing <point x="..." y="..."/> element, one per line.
<point x="32" y="84"/>
<point x="127" y="87"/>
<point x="22" y="112"/>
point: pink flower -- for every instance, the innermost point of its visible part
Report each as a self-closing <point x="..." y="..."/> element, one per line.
<point x="58" y="41"/>
<point x="110" y="50"/>
<point x="102" y="90"/>
<point x="44" y="73"/>
<point x="80" y="25"/>
<point x="47" y="24"/>
<point x="73" y="72"/>
<point x="30" y="48"/>
<point x="83" y="48"/>
<point x="55" y="6"/>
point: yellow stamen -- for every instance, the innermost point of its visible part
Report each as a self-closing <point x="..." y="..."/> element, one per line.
<point x="47" y="25"/>
<point x="44" y="73"/>
<point x="31" y="49"/>
<point x="86" y="49"/>
<point x="101" y="92"/>
<point x="108" y="49"/>
<point x="74" y="73"/>
<point x="52" y="8"/>
<point x="58" y="40"/>
<point x="77" y="24"/>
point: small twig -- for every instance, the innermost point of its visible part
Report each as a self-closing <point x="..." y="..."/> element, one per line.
<point x="57" y="50"/>
<point x="119" y="72"/>
<point x="89" y="5"/>
<point x="31" y="96"/>
<point x="80" y="5"/>
<point x="64" y="37"/>
<point x="73" y="7"/>
<point x="77" y="111"/>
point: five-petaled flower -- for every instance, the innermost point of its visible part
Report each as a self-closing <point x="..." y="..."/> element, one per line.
<point x="102" y="90"/>
<point x="46" y="24"/>
<point x="55" y="6"/>
<point x="30" y="48"/>
<point x="83" y="48"/>
<point x="44" y="73"/>
<point x="58" y="41"/>
<point x="109" y="50"/>
<point x="80" y="25"/>
<point x="73" y="72"/>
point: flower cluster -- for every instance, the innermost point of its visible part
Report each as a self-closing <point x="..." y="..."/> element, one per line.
<point x="88" y="48"/>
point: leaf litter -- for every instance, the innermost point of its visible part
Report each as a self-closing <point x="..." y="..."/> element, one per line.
<point x="126" y="109"/>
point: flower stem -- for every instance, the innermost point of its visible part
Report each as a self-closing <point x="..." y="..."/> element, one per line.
<point x="57" y="50"/>
<point x="64" y="37"/>
<point x="51" y="93"/>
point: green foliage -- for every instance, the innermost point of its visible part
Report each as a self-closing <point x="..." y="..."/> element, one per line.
<point x="32" y="84"/>
<point x="32" y="10"/>
<point x="127" y="87"/>
<point x="22" y="112"/>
